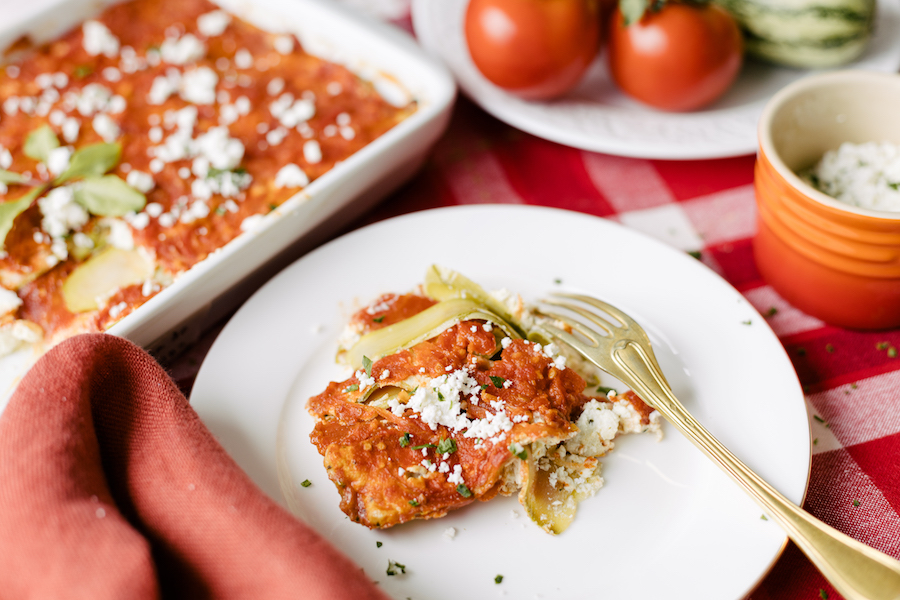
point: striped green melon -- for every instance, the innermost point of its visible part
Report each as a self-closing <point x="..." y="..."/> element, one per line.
<point x="804" y="33"/>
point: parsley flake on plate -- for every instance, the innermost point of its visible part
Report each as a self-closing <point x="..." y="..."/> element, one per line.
<point x="394" y="568"/>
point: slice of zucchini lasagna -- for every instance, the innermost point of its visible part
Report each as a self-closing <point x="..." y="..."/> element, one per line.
<point x="449" y="403"/>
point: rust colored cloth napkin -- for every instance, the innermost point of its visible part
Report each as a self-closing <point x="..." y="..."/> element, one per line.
<point x="112" y="488"/>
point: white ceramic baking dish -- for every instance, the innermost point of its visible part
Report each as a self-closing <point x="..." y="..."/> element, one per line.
<point x="376" y="51"/>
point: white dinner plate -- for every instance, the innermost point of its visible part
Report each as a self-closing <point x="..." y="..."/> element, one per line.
<point x="667" y="524"/>
<point x="597" y="116"/>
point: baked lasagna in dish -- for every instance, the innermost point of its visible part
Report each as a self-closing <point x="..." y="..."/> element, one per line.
<point x="451" y="402"/>
<point x="139" y="143"/>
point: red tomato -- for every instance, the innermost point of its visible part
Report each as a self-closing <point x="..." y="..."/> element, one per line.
<point x="533" y="48"/>
<point x="679" y="58"/>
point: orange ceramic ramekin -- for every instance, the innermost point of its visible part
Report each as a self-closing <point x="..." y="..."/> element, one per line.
<point x="834" y="261"/>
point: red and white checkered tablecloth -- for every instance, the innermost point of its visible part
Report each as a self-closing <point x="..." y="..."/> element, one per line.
<point x="852" y="384"/>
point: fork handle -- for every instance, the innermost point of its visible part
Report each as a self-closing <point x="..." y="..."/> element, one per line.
<point x="857" y="571"/>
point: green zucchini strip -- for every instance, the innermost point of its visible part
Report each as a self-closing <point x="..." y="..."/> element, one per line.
<point x="422" y="326"/>
<point x="552" y="509"/>
<point x="442" y="283"/>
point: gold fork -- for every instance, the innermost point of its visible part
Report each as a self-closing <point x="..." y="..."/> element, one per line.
<point x="857" y="571"/>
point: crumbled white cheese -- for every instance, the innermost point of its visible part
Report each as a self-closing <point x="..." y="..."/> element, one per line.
<point x="142" y="182"/>
<point x="181" y="51"/>
<point x="6" y="158"/>
<point x="456" y="476"/>
<point x="243" y="59"/>
<point x="61" y="214"/>
<point x="597" y="426"/>
<point x="138" y="221"/>
<point x="106" y="128"/>
<point x="154" y="209"/>
<point x="284" y="44"/>
<point x="58" y="160"/>
<point x="251" y="222"/>
<point x="275" y="86"/>
<point x="276" y="136"/>
<point x="18" y="333"/>
<point x="865" y="175"/>
<point x="365" y="381"/>
<point x="213" y="23"/>
<point x="291" y="176"/>
<point x="112" y="74"/>
<point x="450" y="533"/>
<point x="222" y="151"/>
<point x="119" y="234"/>
<point x="9" y="301"/>
<point x="92" y="99"/>
<point x="83" y="241"/>
<point x="164" y="86"/>
<point x="312" y="152"/>
<point x="334" y="88"/>
<point x="71" y="127"/>
<point x="198" y="86"/>
<point x="98" y="39"/>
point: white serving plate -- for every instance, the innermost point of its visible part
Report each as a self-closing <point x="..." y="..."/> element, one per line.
<point x="376" y="51"/>
<point x="597" y="116"/>
<point x="667" y="524"/>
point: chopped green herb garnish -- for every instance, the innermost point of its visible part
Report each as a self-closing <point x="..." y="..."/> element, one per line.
<point x="892" y="352"/>
<point x="498" y="579"/>
<point x="497" y="381"/>
<point x="881" y="345"/>
<point x="447" y="446"/>
<point x="853" y="386"/>
<point x="823" y="594"/>
<point x="818" y="418"/>
<point x="606" y="390"/>
<point x="557" y="281"/>
<point x="272" y="207"/>
<point x="829" y="348"/>
<point x="763" y="517"/>
<point x="404" y="440"/>
<point x="221" y="210"/>
<point x="379" y="319"/>
<point x="440" y="396"/>
<point x="815" y="441"/>
<point x="772" y="311"/>
<point x="747" y="322"/>
<point x="518" y="451"/>
<point x="420" y="446"/>
<point x="378" y="544"/>
<point x="394" y="567"/>
<point x="484" y="386"/>
<point x="856" y="503"/>
<point x="464" y="491"/>
<point x="801" y="351"/>
<point x="351" y="388"/>
<point x="413" y="502"/>
<point x="306" y="483"/>
<point x="894" y="185"/>
<point x="367" y="365"/>
<point x="82" y="71"/>
<point x="696" y="254"/>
